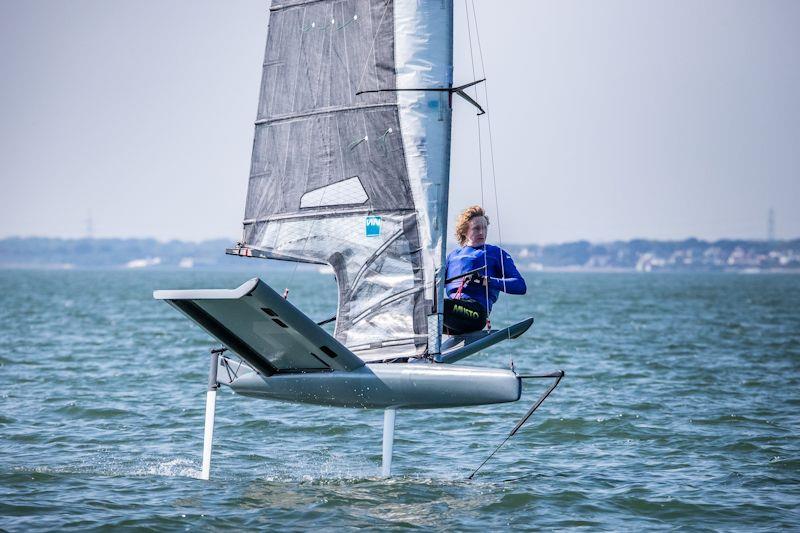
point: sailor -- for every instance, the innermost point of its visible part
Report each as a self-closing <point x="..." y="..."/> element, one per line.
<point x="487" y="270"/>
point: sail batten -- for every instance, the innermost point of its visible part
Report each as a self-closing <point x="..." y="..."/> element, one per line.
<point x="277" y="6"/>
<point x="357" y="181"/>
<point x="323" y="212"/>
<point x="331" y="110"/>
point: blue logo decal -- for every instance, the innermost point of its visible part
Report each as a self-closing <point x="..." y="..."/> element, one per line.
<point x="373" y="226"/>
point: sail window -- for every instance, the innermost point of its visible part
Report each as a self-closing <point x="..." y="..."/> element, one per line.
<point x="346" y="192"/>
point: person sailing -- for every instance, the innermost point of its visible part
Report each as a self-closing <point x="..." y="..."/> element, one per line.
<point x="476" y="273"/>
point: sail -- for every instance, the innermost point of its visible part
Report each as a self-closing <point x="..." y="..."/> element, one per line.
<point x="358" y="181"/>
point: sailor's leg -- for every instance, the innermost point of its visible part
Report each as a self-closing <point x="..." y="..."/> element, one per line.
<point x="388" y="441"/>
<point x="211" y="404"/>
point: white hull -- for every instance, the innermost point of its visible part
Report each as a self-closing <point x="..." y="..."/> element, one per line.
<point x="385" y="385"/>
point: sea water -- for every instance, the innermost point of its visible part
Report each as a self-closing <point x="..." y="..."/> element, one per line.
<point x="680" y="409"/>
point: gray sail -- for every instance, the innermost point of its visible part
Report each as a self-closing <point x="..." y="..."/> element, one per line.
<point x="358" y="181"/>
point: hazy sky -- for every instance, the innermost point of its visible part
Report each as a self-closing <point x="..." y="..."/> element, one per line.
<point x="611" y="120"/>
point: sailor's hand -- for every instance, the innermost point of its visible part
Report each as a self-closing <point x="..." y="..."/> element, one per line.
<point x="479" y="280"/>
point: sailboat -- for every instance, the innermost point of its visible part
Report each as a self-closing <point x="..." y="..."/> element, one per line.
<point x="350" y="169"/>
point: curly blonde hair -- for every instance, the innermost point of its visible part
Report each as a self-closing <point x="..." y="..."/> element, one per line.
<point x="462" y="224"/>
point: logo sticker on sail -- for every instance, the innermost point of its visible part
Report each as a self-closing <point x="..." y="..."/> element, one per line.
<point x="373" y="226"/>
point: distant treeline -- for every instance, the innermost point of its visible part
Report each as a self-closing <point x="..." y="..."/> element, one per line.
<point x="638" y="254"/>
<point x="650" y="255"/>
<point x="115" y="253"/>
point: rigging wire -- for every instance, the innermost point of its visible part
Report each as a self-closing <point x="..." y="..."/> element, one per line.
<point x="491" y="158"/>
<point x="557" y="375"/>
<point x="491" y="149"/>
<point x="489" y="124"/>
<point x="480" y="160"/>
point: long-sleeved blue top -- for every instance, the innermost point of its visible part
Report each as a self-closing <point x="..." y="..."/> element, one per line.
<point x="502" y="276"/>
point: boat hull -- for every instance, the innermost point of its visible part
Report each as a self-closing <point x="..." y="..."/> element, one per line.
<point x="387" y="386"/>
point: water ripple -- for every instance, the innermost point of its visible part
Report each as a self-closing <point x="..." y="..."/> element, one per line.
<point x="679" y="410"/>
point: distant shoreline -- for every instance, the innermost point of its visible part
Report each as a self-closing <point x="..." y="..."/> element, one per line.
<point x="268" y="269"/>
<point x="638" y="255"/>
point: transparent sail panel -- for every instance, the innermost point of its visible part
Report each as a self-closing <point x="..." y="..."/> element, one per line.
<point x="376" y="260"/>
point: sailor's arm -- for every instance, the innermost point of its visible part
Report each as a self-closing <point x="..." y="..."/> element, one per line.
<point x="512" y="282"/>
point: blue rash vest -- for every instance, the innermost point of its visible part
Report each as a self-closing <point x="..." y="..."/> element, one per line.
<point x="467" y="258"/>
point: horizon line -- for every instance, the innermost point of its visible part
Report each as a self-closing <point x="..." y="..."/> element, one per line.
<point x="448" y="241"/>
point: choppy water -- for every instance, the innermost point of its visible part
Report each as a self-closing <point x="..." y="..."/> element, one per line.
<point x="679" y="409"/>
